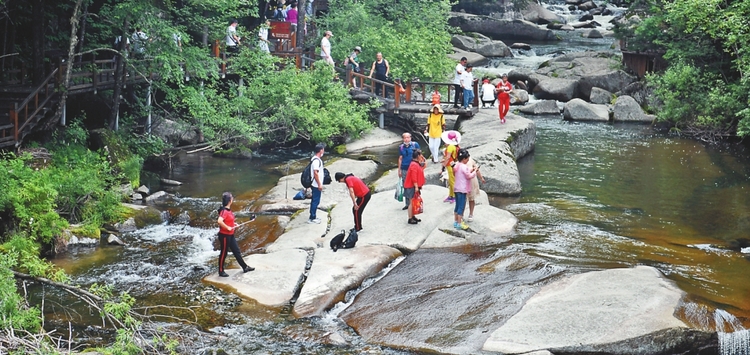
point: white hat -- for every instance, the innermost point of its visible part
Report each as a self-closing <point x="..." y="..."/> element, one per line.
<point x="451" y="137"/>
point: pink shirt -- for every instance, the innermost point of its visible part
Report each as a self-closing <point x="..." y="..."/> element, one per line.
<point x="463" y="175"/>
<point x="291" y="15"/>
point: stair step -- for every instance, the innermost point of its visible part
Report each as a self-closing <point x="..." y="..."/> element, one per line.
<point x="7" y="126"/>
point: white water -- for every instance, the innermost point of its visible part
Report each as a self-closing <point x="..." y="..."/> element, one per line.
<point x="734" y="339"/>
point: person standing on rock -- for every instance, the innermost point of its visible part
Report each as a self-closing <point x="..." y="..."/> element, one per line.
<point x="459" y="92"/>
<point x="474" y="193"/>
<point x="452" y="139"/>
<point x="226" y="235"/>
<point x="463" y="175"/>
<point x="381" y="69"/>
<point x="435" y="128"/>
<point x="503" y="97"/>
<point x="406" y="151"/>
<point x="360" y="194"/>
<point x="316" y="166"/>
<point x="467" y="83"/>
<point x="488" y="94"/>
<point x="413" y="184"/>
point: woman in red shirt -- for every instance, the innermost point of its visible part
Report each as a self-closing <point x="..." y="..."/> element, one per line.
<point x="413" y="183"/>
<point x="359" y="193"/>
<point x="226" y="235"/>
<point x="503" y="88"/>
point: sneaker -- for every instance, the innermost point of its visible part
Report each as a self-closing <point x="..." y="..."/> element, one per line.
<point x="248" y="269"/>
<point x="417" y="219"/>
<point x="502" y="120"/>
<point x="316" y="221"/>
<point x="405" y="207"/>
<point x="471" y="218"/>
<point x="223" y="274"/>
<point x="412" y="221"/>
<point x="463" y="226"/>
<point x="449" y="199"/>
<point x="456" y="225"/>
<point x="469" y="107"/>
<point x="452" y="200"/>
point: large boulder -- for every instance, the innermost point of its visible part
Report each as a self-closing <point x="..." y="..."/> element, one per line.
<point x="298" y="234"/>
<point x="377" y="137"/>
<point x="498" y="166"/>
<point x="590" y="69"/>
<point x="177" y="133"/>
<point x="485" y="128"/>
<point x="626" y="109"/>
<point x="618" y="311"/>
<point x="600" y="96"/>
<point x="515" y="30"/>
<point x="472" y="58"/>
<point x="579" y="110"/>
<point x="518" y="97"/>
<point x="536" y="13"/>
<point x="481" y="44"/>
<point x="541" y="107"/>
<point x="556" y="89"/>
<point x="529" y="77"/>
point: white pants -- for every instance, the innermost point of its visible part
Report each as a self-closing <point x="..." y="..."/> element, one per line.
<point x="435" y="149"/>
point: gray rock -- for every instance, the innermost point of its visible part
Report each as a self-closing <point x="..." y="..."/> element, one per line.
<point x="555" y="26"/>
<point x="518" y="97"/>
<point x="579" y="110"/>
<point x="619" y="304"/>
<point x="541" y="107"/>
<point x="482" y="45"/>
<point x="177" y="133"/>
<point x="182" y="218"/>
<point x="592" y="34"/>
<point x="334" y="273"/>
<point x="521" y="85"/>
<point x="490" y="226"/>
<point x="600" y="96"/>
<point x="170" y="182"/>
<point x="136" y="197"/>
<point x="128" y="226"/>
<point x="156" y="195"/>
<point x="498" y="167"/>
<point x="143" y="190"/>
<point x="518" y="45"/>
<point x="556" y="89"/>
<point x="114" y="240"/>
<point x="626" y="109"/>
<point x="529" y="77"/>
<point x="518" y="132"/>
<point x="536" y="13"/>
<point x="377" y="137"/>
<point x="586" y="17"/>
<point x="299" y="234"/>
<point x="472" y="58"/>
<point x="586" y="6"/>
<point x="590" y="69"/>
<point x="587" y="24"/>
<point x="502" y="29"/>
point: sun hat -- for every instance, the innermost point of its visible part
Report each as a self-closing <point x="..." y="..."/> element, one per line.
<point x="451" y="137"/>
<point x="440" y="108"/>
<point x="358" y="49"/>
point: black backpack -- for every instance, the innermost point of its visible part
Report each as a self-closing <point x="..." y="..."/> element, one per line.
<point x="306" y="178"/>
<point x="338" y="242"/>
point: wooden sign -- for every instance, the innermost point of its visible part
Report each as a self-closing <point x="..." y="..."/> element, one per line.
<point x="281" y="29"/>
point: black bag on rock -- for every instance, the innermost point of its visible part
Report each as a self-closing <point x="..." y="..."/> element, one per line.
<point x="338" y="242"/>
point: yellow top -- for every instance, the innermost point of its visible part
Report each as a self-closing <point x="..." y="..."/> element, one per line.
<point x="435" y="124"/>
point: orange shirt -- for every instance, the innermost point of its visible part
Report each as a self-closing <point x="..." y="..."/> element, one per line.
<point x="436" y="98"/>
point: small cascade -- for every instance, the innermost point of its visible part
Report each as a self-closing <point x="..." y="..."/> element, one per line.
<point x="734" y="339"/>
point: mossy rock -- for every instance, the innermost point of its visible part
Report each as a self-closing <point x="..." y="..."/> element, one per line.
<point x="340" y="149"/>
<point x="85" y="231"/>
<point x="240" y="152"/>
<point x="147" y="217"/>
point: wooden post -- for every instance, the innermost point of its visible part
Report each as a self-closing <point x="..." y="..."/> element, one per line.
<point x="408" y="91"/>
<point x="475" y="84"/>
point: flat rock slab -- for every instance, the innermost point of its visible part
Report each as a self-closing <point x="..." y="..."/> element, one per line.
<point x="485" y="127"/>
<point x="334" y="273"/>
<point x="491" y="226"/>
<point x="594" y="310"/>
<point x="274" y="280"/>
<point x="377" y="137"/>
<point x="299" y="234"/>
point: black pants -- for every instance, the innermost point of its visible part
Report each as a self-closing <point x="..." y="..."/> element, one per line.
<point x="458" y="98"/>
<point x="488" y="102"/>
<point x="362" y="203"/>
<point x="379" y="86"/>
<point x="228" y="241"/>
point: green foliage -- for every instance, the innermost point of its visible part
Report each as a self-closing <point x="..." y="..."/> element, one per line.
<point x="413" y="35"/>
<point x="13" y="312"/>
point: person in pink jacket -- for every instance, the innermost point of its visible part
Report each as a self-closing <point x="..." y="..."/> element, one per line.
<point x="462" y="186"/>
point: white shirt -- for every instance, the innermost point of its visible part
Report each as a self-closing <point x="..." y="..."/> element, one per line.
<point x="317" y="164"/>
<point x="325" y="46"/>
<point x="231" y="33"/>
<point x="459" y="70"/>
<point x="488" y="92"/>
<point x="263" y="35"/>
<point x="467" y="80"/>
<point x="139" y="41"/>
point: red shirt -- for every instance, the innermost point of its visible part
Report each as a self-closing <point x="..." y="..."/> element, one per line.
<point x="436" y="98"/>
<point x="502" y="87"/>
<point x="228" y="220"/>
<point x="414" y="176"/>
<point x="353" y="182"/>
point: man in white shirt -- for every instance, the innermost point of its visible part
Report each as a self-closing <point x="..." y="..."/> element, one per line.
<point x="232" y="40"/>
<point x="317" y="184"/>
<point x="325" y="47"/>
<point x="457" y="81"/>
<point x="467" y="83"/>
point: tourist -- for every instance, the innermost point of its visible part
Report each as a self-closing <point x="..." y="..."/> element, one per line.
<point x="503" y="97"/>
<point x="467" y="83"/>
<point x="381" y="69"/>
<point x="405" y="151"/>
<point x="459" y="92"/>
<point x="317" y="184"/>
<point x="474" y="193"/>
<point x="325" y="47"/>
<point x="463" y="175"/>
<point x="232" y="40"/>
<point x="488" y="94"/>
<point x="436" y="96"/>
<point x="413" y="182"/>
<point x="451" y="139"/>
<point x="139" y="42"/>
<point x="352" y="63"/>
<point x="291" y="16"/>
<point x="433" y="131"/>
<point x="226" y="235"/>
<point x="360" y="194"/>
<point x="263" y="41"/>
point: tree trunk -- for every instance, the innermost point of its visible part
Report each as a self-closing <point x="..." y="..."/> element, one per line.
<point x="83" y="30"/>
<point x="37" y="35"/>
<point x="301" y="11"/>
<point x="71" y="56"/>
<point x="205" y="31"/>
<point x="119" y="75"/>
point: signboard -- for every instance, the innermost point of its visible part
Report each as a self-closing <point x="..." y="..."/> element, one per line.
<point x="281" y="30"/>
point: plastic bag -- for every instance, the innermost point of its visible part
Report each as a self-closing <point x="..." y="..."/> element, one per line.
<point x="399" y="195"/>
<point x="417" y="206"/>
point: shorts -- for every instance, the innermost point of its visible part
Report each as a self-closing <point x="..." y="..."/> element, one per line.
<point x="460" y="203"/>
<point x="409" y="192"/>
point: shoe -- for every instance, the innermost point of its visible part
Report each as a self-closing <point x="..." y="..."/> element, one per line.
<point x="502" y="120"/>
<point x="447" y="199"/>
<point x="417" y="219"/>
<point x="316" y="221"/>
<point x="248" y="269"/>
<point x="452" y="200"/>
<point x="463" y="226"/>
<point x="223" y="274"/>
<point x="456" y="225"/>
<point x="412" y="221"/>
<point x="455" y="106"/>
<point x="470" y="107"/>
<point x="471" y="218"/>
<point x="405" y="208"/>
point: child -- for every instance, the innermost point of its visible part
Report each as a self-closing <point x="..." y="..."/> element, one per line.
<point x="399" y="89"/>
<point x="462" y="187"/>
<point x="488" y="94"/>
<point x="436" y="97"/>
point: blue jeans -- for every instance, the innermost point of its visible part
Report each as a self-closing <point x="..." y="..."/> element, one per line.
<point x="315" y="202"/>
<point x="468" y="97"/>
<point x="460" y="203"/>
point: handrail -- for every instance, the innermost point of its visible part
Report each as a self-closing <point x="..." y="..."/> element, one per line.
<point x="38" y="89"/>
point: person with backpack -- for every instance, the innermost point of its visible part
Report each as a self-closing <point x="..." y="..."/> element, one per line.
<point x="359" y="193"/>
<point x="405" y="151"/>
<point x="316" y="170"/>
<point x="226" y="235"/>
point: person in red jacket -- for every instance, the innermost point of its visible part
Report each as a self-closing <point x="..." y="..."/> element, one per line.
<point x="226" y="235"/>
<point x="503" y="97"/>
<point x="359" y="193"/>
<point x="413" y="183"/>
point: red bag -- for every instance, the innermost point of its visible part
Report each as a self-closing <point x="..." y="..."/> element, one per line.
<point x="417" y="204"/>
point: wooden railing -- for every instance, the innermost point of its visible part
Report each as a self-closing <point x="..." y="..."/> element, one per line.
<point x="20" y="116"/>
<point x="13" y="71"/>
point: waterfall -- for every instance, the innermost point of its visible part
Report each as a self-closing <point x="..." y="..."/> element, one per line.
<point x="733" y="338"/>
